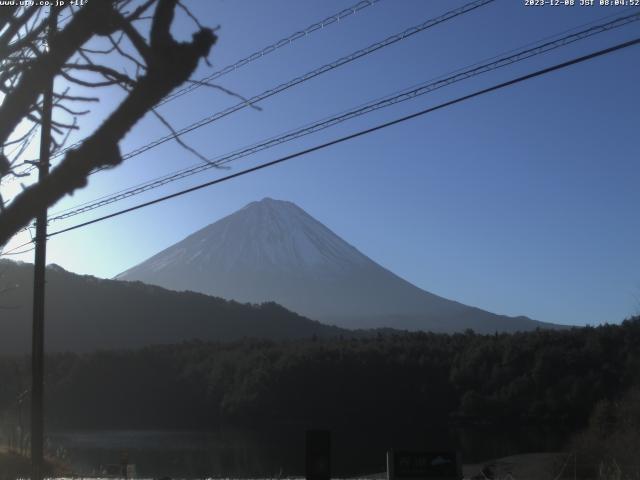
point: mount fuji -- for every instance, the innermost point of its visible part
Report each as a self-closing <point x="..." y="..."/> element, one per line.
<point x="272" y="250"/>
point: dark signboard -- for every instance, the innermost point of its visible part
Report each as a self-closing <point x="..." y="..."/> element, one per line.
<point x="404" y="464"/>
<point x="318" y="458"/>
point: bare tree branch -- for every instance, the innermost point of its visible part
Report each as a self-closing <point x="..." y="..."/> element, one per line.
<point x="168" y="64"/>
<point x="227" y="91"/>
<point x="177" y="137"/>
<point x="103" y="70"/>
<point x="81" y="28"/>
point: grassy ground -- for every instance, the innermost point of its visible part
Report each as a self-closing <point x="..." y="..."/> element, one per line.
<point x="14" y="465"/>
<point x="532" y="466"/>
<point x="529" y="466"/>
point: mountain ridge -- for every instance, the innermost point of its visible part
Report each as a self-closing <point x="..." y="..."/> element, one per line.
<point x="84" y="313"/>
<point x="272" y="250"/>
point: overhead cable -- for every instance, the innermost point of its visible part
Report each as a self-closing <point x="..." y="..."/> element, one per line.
<point x="330" y="20"/>
<point x="369" y="107"/>
<point x="305" y="77"/>
<point x="360" y="133"/>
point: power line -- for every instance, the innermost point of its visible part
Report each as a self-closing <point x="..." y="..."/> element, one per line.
<point x="330" y="20"/>
<point x="271" y="48"/>
<point x="405" y="95"/>
<point x="308" y="76"/>
<point x="19" y="253"/>
<point x="199" y="167"/>
<point x="367" y="131"/>
<point x="13" y="251"/>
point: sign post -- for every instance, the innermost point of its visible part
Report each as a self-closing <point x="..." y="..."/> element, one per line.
<point x="318" y="455"/>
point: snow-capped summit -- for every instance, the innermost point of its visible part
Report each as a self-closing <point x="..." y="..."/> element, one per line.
<point x="272" y="250"/>
<point x="265" y="235"/>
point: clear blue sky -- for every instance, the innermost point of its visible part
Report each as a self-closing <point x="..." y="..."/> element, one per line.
<point x="522" y="202"/>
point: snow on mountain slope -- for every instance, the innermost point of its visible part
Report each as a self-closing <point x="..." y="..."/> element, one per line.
<point x="273" y="250"/>
<point x="263" y="235"/>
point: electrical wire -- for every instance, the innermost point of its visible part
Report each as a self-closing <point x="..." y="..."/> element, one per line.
<point x="342" y="61"/>
<point x="19" y="253"/>
<point x="330" y="20"/>
<point x="197" y="168"/>
<point x="271" y="48"/>
<point x="13" y="251"/>
<point x="369" y="107"/>
<point x="305" y="77"/>
<point x="360" y="133"/>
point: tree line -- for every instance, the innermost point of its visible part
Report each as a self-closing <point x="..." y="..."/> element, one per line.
<point x="552" y="377"/>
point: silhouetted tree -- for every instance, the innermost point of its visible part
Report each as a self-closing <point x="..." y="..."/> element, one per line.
<point x="77" y="54"/>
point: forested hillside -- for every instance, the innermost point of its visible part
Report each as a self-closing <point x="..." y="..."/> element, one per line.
<point x="85" y="313"/>
<point x="553" y="377"/>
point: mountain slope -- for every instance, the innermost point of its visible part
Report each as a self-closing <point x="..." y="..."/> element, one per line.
<point x="273" y="250"/>
<point x="84" y="313"/>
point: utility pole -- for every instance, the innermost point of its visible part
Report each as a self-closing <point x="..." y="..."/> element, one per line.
<point x="37" y="345"/>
